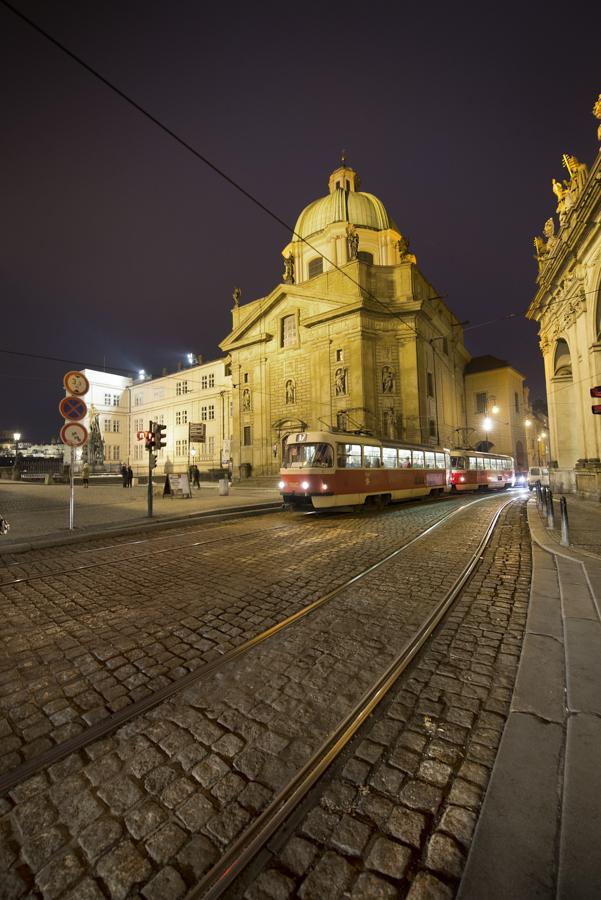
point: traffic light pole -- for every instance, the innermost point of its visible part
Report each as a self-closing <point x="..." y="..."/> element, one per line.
<point x="149" y="513"/>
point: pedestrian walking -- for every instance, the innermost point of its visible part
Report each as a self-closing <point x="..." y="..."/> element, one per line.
<point x="130" y="476"/>
<point x="124" y="475"/>
<point x="196" y="476"/>
<point x="85" y="475"/>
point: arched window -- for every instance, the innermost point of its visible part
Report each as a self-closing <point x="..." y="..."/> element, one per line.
<point x="315" y="267"/>
<point x="562" y="365"/>
<point x="520" y="459"/>
<point x="366" y="257"/>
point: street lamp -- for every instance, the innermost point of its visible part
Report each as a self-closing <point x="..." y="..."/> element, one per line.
<point x="16" y="439"/>
<point x="487" y="424"/>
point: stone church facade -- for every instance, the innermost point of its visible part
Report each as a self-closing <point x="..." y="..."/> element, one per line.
<point x="567" y="307"/>
<point x="354" y="337"/>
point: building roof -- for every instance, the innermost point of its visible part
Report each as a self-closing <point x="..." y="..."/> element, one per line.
<point x="486" y="364"/>
<point x="344" y="203"/>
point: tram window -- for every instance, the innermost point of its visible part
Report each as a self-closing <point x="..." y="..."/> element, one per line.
<point x="440" y="461"/>
<point x="458" y="462"/>
<point x="389" y="457"/>
<point x="430" y="460"/>
<point x="371" y="457"/>
<point x="418" y="459"/>
<point x="447" y="460"/>
<point x="349" y="456"/>
<point x="480" y="462"/>
<point x="404" y="458"/>
<point x="473" y="462"/>
<point x="300" y="456"/>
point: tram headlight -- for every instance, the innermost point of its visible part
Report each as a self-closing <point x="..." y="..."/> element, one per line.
<point x="281" y="485"/>
<point x="305" y="485"/>
<point x="324" y="487"/>
<point x="462" y="478"/>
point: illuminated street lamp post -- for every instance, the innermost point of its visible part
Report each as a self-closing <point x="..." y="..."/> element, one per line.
<point x="487" y="424"/>
<point x="16" y="438"/>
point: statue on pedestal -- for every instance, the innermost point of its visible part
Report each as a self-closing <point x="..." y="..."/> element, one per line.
<point x="352" y="242"/>
<point x="597" y="115"/>
<point x="236" y="295"/>
<point x="288" y="276"/>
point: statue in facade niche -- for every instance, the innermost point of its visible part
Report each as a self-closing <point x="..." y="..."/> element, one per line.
<point x="288" y="276"/>
<point x="340" y="382"/>
<point x="237" y="294"/>
<point x="290" y="391"/>
<point x="352" y="241"/>
<point x="246" y="400"/>
<point x="387" y="380"/>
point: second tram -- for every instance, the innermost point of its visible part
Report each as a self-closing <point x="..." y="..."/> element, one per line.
<point x="322" y="469"/>
<point x="473" y="471"/>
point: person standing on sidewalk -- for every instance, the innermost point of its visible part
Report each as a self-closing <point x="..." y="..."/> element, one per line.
<point x="124" y="475"/>
<point x="85" y="475"/>
<point x="130" y="476"/>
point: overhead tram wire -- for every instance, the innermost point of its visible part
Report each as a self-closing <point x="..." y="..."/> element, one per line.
<point x="212" y="166"/>
<point x="70" y="362"/>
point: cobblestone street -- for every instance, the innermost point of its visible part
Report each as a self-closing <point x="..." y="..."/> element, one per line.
<point x="148" y="809"/>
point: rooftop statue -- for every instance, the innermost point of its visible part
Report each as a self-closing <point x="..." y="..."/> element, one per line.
<point x="236" y="295"/>
<point x="540" y="252"/>
<point x="597" y="115"/>
<point x="288" y="276"/>
<point x="352" y="240"/>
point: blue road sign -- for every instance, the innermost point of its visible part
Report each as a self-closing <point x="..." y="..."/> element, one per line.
<point x="73" y="408"/>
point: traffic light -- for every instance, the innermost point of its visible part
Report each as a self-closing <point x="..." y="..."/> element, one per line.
<point x="596" y="395"/>
<point x="149" y="435"/>
<point x="160" y="439"/>
<point x="153" y="460"/>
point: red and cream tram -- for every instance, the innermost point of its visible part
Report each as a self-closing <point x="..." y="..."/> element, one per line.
<point x="475" y="471"/>
<point x="322" y="469"/>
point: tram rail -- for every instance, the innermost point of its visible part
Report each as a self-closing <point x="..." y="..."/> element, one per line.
<point x="111" y="722"/>
<point x="251" y="842"/>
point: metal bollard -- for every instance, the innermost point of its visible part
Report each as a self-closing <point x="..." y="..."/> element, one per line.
<point x="565" y="529"/>
<point x="550" y="511"/>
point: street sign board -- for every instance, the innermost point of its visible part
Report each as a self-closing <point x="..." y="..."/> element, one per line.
<point x="76" y="383"/>
<point x="74" y="434"/>
<point x="198" y="432"/>
<point x="73" y="408"/>
<point x="596" y="391"/>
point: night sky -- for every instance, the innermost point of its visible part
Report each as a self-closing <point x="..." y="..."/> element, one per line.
<point x="118" y="246"/>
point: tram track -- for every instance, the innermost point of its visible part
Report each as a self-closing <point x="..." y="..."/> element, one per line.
<point x="111" y="722"/>
<point x="244" y="849"/>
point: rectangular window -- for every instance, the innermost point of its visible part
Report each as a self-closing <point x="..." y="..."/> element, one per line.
<point x="389" y="459"/>
<point x="204" y="382"/>
<point x="289" y="335"/>
<point x="115" y="399"/>
<point x="137" y="399"/>
<point x="472" y="462"/>
<point x="430" y="460"/>
<point x="341" y="421"/>
<point x="404" y="458"/>
<point x="418" y="459"/>
<point x="107" y="425"/>
<point x="115" y="424"/>
<point x="107" y="399"/>
<point x="246" y="378"/>
<point x="432" y="428"/>
<point x="181" y="387"/>
<point x="430" y="380"/>
<point x="349" y="456"/>
<point x="481" y="399"/>
<point x="247" y="440"/>
<point x="203" y="414"/>
<point x="181" y="417"/>
<point x="440" y="461"/>
<point x="445" y="346"/>
<point x="211" y="445"/>
<point x="211" y="411"/>
<point x="371" y="457"/>
<point x="212" y="380"/>
<point x="339" y="356"/>
<point x="115" y="452"/>
<point x="517" y="402"/>
<point x="181" y="448"/>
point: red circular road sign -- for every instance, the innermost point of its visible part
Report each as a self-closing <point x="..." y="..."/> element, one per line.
<point x="73" y="408"/>
<point x="74" y="434"/>
<point x="76" y="383"/>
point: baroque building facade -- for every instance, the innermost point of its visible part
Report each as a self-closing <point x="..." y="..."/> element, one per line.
<point x="567" y="307"/>
<point x="353" y="338"/>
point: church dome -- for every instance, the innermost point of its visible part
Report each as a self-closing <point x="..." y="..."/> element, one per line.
<point x="344" y="203"/>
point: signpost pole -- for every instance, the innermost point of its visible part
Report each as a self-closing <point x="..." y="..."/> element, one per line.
<point x="71" y="490"/>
